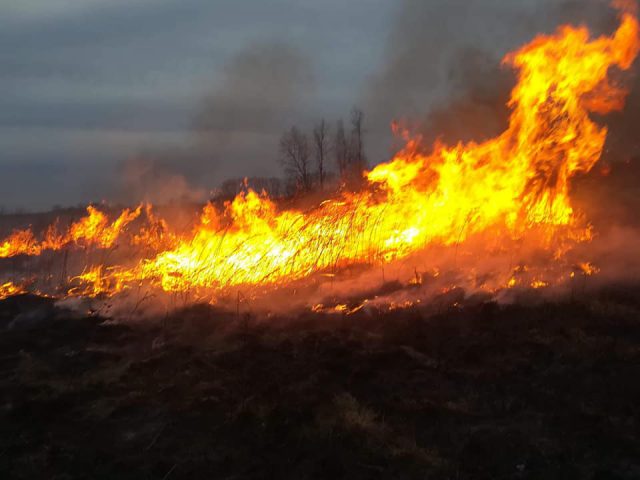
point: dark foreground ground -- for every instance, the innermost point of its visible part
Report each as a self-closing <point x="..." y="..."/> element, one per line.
<point x="477" y="392"/>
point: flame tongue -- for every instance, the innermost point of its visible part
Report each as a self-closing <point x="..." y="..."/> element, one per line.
<point x="93" y="229"/>
<point x="514" y="185"/>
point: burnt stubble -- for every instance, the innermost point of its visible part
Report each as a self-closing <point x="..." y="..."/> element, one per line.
<point x="472" y="391"/>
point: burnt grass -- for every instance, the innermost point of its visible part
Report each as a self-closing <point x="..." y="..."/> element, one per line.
<point x="478" y="391"/>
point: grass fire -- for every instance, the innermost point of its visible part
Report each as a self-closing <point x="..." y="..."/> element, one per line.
<point x="508" y="188"/>
<point x="421" y="313"/>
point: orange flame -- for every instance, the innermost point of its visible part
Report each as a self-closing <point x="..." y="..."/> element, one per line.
<point x="511" y="186"/>
<point x="93" y="229"/>
<point x="9" y="289"/>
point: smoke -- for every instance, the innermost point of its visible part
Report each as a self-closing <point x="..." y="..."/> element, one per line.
<point x="260" y="91"/>
<point x="147" y="179"/>
<point x="263" y="90"/>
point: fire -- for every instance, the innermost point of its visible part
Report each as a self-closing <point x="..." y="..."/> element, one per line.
<point x="96" y="229"/>
<point x="515" y="183"/>
<point x="100" y="281"/>
<point x="93" y="229"/>
<point x="21" y="242"/>
<point x="511" y="187"/>
<point x="9" y="289"/>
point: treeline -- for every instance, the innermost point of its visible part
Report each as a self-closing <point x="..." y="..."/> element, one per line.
<point x="326" y="157"/>
<point x="323" y="155"/>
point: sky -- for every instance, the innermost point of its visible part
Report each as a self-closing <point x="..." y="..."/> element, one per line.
<point x="152" y="99"/>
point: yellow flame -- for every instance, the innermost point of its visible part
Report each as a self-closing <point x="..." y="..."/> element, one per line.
<point x="511" y="186"/>
<point x="9" y="289"/>
<point x="93" y="229"/>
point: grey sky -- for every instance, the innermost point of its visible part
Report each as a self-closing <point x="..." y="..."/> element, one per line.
<point x="89" y="86"/>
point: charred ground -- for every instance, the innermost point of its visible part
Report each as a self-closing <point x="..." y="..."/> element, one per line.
<point x="546" y="390"/>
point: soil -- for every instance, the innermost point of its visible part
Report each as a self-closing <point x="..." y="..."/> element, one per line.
<point x="477" y="391"/>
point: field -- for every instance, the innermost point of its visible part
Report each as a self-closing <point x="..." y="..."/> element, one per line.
<point x="472" y="391"/>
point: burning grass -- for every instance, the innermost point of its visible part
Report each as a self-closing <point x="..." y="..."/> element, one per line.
<point x="468" y="200"/>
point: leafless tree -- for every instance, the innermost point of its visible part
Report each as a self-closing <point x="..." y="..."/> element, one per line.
<point x="321" y="145"/>
<point x="357" y="158"/>
<point x="294" y="151"/>
<point x="341" y="149"/>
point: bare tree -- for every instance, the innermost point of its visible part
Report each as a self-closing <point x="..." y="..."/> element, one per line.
<point x="294" y="151"/>
<point x="341" y="149"/>
<point x="357" y="158"/>
<point x="321" y="144"/>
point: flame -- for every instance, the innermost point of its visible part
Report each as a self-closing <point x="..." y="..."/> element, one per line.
<point x="515" y="183"/>
<point x="21" y="242"/>
<point x="9" y="289"/>
<point x="96" y="229"/>
<point x="155" y="235"/>
<point x="585" y="268"/>
<point x="98" y="281"/>
<point x="513" y="186"/>
<point x="93" y="229"/>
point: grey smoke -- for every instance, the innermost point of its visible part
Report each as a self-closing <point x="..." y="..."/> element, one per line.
<point x="263" y="88"/>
